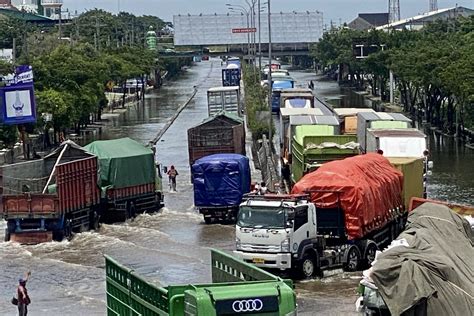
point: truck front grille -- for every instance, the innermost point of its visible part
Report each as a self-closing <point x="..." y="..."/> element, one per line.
<point x="260" y="248"/>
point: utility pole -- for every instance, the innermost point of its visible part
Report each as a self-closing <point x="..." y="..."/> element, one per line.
<point x="14" y="52"/>
<point x="270" y="88"/>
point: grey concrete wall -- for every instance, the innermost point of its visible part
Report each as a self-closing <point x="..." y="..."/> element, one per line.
<point x="7" y="156"/>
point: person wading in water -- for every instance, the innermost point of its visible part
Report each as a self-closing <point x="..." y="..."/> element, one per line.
<point x="172" y="173"/>
<point x="22" y="296"/>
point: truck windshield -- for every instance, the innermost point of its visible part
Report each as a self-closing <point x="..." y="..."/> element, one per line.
<point x="261" y="218"/>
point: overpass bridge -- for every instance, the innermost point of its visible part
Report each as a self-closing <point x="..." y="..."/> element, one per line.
<point x="292" y="34"/>
<point x="289" y="49"/>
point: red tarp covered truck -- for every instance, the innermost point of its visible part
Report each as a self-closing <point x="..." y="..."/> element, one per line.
<point x="338" y="215"/>
<point x="366" y="188"/>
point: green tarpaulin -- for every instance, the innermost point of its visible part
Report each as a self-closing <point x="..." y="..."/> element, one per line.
<point x="123" y="163"/>
<point x="432" y="268"/>
<point x="312" y="130"/>
<point x="388" y="124"/>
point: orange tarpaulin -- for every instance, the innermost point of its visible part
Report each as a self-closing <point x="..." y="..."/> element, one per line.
<point x="367" y="187"/>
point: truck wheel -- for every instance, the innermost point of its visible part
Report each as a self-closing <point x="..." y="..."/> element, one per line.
<point x="370" y="252"/>
<point x="7" y="235"/>
<point x="208" y="220"/>
<point x="308" y="266"/>
<point x="68" y="230"/>
<point x="131" y="210"/>
<point x="352" y="259"/>
<point x="94" y="221"/>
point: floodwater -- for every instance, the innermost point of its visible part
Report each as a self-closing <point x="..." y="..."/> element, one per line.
<point x="171" y="247"/>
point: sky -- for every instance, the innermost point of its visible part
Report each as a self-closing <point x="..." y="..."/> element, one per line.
<point x="335" y="10"/>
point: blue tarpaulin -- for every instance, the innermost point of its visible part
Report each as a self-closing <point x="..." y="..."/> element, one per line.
<point x="220" y="180"/>
<point x="287" y="84"/>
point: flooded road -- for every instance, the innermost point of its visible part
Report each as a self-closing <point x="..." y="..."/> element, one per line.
<point x="68" y="278"/>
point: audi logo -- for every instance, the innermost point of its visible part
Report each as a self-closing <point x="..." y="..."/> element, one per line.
<point x="245" y="306"/>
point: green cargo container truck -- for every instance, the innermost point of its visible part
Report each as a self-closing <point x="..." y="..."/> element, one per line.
<point x="130" y="182"/>
<point x="309" y="152"/>
<point x="238" y="288"/>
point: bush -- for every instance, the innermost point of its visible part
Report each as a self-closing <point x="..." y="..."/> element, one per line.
<point x="8" y="135"/>
<point x="255" y="101"/>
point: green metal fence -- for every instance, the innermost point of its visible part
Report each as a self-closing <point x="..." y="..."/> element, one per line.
<point x="128" y="294"/>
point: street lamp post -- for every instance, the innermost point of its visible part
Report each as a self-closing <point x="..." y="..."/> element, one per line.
<point x="270" y="82"/>
<point x="259" y="39"/>
<point x="242" y="10"/>
<point x="251" y="4"/>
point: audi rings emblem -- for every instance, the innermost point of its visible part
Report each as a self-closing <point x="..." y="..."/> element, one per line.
<point x="245" y="306"/>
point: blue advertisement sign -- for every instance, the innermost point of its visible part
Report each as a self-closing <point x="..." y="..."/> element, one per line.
<point x="18" y="104"/>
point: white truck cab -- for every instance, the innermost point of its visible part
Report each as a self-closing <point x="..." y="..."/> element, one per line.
<point x="278" y="234"/>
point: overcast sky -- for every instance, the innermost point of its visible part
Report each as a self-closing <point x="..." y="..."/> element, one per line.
<point x="336" y="10"/>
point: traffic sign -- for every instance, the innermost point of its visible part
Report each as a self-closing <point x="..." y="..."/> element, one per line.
<point x="245" y="30"/>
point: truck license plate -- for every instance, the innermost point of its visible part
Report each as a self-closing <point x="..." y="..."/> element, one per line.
<point x="258" y="260"/>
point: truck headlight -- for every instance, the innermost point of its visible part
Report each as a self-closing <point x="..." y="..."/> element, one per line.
<point x="238" y="244"/>
<point x="285" y="245"/>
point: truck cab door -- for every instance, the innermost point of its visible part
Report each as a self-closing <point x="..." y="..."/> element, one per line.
<point x="301" y="226"/>
<point x="313" y="221"/>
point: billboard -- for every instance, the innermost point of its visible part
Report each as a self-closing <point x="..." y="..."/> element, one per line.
<point x="18" y="104"/>
<point x="6" y="55"/>
<point x="216" y="29"/>
<point x="18" y="97"/>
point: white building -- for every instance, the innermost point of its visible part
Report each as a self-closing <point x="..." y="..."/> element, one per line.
<point x="30" y="6"/>
<point x="417" y="22"/>
<point x="48" y="8"/>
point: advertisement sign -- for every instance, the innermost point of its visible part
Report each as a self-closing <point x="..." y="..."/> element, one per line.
<point x="244" y="30"/>
<point x="6" y="55"/>
<point x="23" y="74"/>
<point x="18" y="104"/>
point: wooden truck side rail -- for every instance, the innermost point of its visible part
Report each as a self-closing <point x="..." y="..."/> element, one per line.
<point x="30" y="206"/>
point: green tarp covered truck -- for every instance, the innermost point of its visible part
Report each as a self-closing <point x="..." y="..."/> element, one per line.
<point x="128" y="178"/>
<point x="237" y="288"/>
<point x="309" y="152"/>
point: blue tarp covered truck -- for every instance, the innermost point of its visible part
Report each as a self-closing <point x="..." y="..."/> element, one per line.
<point x="220" y="181"/>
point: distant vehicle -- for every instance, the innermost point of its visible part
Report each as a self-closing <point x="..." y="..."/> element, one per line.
<point x="205" y="57"/>
<point x="220" y="181"/>
<point x="348" y="118"/>
<point x="275" y="73"/>
<point x="378" y="120"/>
<point x="296" y="98"/>
<point x="224" y="99"/>
<point x="133" y="83"/>
<point x="233" y="61"/>
<point x="231" y="75"/>
<point x="278" y="85"/>
<point x="315" y="140"/>
<point x="218" y="134"/>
